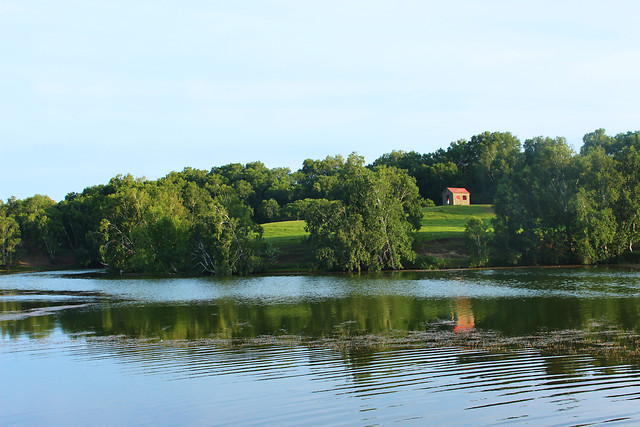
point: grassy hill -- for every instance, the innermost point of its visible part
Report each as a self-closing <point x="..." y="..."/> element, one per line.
<point x="439" y="242"/>
<point x="289" y="238"/>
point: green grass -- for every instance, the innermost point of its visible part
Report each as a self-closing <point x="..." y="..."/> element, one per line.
<point x="440" y="240"/>
<point x="443" y="222"/>
<point x="289" y="238"/>
<point x="284" y="229"/>
<point x="440" y="236"/>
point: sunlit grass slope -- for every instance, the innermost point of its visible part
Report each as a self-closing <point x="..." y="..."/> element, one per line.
<point x="284" y="230"/>
<point x="440" y="240"/>
<point x="440" y="235"/>
<point x="289" y="238"/>
<point x="449" y="221"/>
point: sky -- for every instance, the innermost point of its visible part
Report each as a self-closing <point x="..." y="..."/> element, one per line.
<point x="93" y="89"/>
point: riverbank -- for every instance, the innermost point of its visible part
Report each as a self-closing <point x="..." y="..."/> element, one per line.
<point x="439" y="245"/>
<point x="39" y="262"/>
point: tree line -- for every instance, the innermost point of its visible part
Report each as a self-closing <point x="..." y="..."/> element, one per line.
<point x="561" y="207"/>
<point x="552" y="205"/>
<point x="208" y="222"/>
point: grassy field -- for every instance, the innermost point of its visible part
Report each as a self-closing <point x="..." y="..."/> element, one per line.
<point x="439" y="240"/>
<point x="289" y="238"/>
<point x="274" y="231"/>
<point x="449" y="221"/>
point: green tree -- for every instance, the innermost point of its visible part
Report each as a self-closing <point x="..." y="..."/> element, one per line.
<point x="9" y="237"/>
<point x="40" y="223"/>
<point x="598" y="188"/>
<point x="124" y="215"/>
<point x="174" y="226"/>
<point x="80" y="216"/>
<point x="563" y="208"/>
<point x="370" y="226"/>
<point x="338" y="235"/>
<point x="627" y="210"/>
<point x="597" y="138"/>
<point x="439" y="176"/>
<point x="595" y="228"/>
<point x="268" y="211"/>
<point x="296" y="210"/>
<point x="495" y="155"/>
<point x="222" y="244"/>
<point x="533" y="216"/>
<point x="318" y="179"/>
<point x="477" y="238"/>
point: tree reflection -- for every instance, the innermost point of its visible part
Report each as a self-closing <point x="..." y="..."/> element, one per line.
<point x="339" y="318"/>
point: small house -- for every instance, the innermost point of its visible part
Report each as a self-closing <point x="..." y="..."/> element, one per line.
<point x="455" y="196"/>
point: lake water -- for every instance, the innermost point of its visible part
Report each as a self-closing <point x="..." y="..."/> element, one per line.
<point x="555" y="346"/>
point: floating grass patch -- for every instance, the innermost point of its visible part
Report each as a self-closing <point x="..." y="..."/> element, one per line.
<point x="607" y="343"/>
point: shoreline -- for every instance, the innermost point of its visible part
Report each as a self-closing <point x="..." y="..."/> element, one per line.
<point x="66" y="267"/>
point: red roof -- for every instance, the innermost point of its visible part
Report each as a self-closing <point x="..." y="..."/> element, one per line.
<point x="457" y="190"/>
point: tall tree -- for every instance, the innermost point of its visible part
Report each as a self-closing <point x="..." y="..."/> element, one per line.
<point x="39" y="221"/>
<point x="533" y="205"/>
<point x="596" y="194"/>
<point x="477" y="237"/>
<point x="627" y="209"/>
<point x="9" y="237"/>
<point x="370" y="226"/>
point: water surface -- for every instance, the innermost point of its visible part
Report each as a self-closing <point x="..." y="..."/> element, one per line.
<point x="543" y="346"/>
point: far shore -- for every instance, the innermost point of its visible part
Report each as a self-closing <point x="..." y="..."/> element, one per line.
<point x="71" y="266"/>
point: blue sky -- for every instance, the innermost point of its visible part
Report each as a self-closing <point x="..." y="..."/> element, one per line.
<point x="91" y="89"/>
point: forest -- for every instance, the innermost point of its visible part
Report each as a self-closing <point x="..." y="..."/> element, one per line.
<point x="553" y="206"/>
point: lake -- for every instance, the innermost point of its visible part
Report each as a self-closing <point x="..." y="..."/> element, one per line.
<point x="548" y="346"/>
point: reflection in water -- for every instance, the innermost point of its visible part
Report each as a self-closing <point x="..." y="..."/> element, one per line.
<point x="557" y="346"/>
<point x="464" y="315"/>
<point x="330" y="317"/>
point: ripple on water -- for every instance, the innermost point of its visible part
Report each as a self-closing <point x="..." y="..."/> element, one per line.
<point x="537" y="346"/>
<point x="202" y="382"/>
